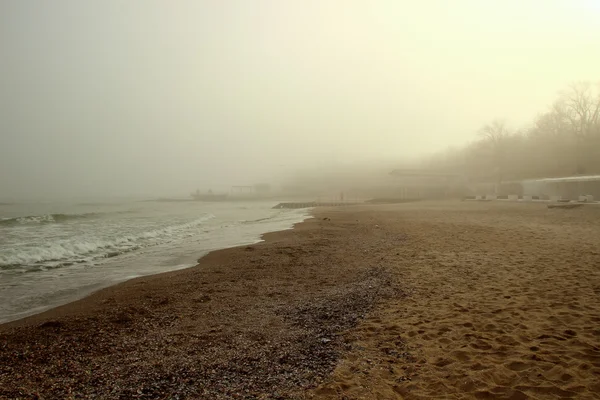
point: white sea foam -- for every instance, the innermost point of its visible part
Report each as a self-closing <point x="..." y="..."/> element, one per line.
<point x="50" y="263"/>
<point x="77" y="250"/>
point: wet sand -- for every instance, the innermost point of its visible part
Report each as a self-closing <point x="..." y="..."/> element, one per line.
<point x="423" y="300"/>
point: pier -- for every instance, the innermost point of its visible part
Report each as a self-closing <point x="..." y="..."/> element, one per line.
<point x="310" y="204"/>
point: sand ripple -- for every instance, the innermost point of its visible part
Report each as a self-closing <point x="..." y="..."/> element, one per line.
<point x="505" y="304"/>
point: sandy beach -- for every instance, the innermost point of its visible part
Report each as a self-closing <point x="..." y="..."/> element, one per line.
<point x="416" y="301"/>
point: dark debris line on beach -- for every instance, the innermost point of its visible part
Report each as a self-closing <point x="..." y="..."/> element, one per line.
<point x="248" y="365"/>
<point x="306" y="352"/>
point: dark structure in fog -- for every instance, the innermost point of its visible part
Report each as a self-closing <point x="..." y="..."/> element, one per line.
<point x="427" y="184"/>
<point x="570" y="187"/>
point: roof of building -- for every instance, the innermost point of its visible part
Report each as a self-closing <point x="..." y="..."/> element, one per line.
<point x="421" y="173"/>
<point x="583" y="178"/>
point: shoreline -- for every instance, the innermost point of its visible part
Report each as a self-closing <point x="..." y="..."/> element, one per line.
<point x="70" y="306"/>
<point x="246" y="321"/>
<point x="410" y="301"/>
<point x="91" y="289"/>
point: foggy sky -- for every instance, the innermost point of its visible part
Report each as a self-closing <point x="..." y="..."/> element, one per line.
<point x="148" y="97"/>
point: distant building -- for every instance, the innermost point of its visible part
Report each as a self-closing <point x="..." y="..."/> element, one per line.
<point x="427" y="184"/>
<point x="570" y="187"/>
<point x="262" y="188"/>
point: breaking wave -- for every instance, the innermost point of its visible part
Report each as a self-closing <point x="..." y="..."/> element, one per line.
<point x="80" y="250"/>
<point x="44" y="219"/>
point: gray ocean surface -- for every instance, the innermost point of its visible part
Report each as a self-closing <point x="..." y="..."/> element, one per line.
<point x="54" y="253"/>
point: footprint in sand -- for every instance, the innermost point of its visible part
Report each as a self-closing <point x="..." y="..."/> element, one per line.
<point x="517" y="366"/>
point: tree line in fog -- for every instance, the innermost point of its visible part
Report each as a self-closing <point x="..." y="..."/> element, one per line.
<point x="562" y="141"/>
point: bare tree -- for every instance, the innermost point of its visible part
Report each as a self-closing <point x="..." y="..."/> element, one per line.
<point x="581" y="106"/>
<point x="561" y="141"/>
<point x="552" y="124"/>
<point x="496" y="134"/>
<point x="580" y="103"/>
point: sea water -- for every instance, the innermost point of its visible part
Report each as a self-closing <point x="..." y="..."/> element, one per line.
<point x="53" y="253"/>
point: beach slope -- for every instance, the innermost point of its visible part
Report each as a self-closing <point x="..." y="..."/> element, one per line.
<point x="260" y="321"/>
<point x="415" y="301"/>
